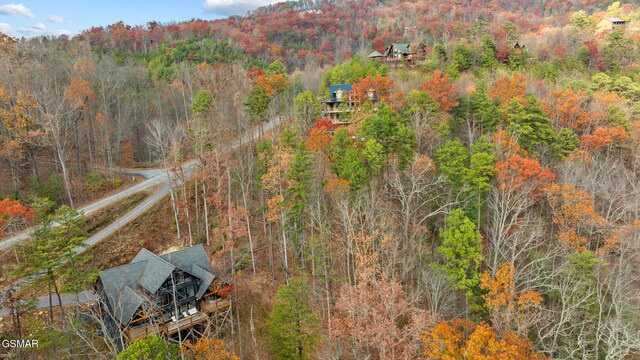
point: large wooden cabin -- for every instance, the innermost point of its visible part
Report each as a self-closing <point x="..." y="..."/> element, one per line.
<point x="160" y="295"/>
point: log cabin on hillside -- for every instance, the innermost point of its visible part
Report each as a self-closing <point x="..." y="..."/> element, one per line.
<point x="409" y="53"/>
<point x="608" y="24"/>
<point x="343" y="101"/>
<point x="161" y="295"/>
<point x="339" y="103"/>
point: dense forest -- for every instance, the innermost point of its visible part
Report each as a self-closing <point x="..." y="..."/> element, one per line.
<point x="485" y="206"/>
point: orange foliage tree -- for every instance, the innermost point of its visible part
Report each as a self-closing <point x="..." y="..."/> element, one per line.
<point x="462" y="339"/>
<point x="604" y="99"/>
<point x="13" y="214"/>
<point x="380" y="85"/>
<point x="441" y="90"/>
<point x="569" y="108"/>
<point x="79" y="90"/>
<point x="272" y="84"/>
<point x="21" y="133"/>
<point x="515" y="169"/>
<point x="603" y="137"/>
<point x="127" y="153"/>
<point x="207" y="349"/>
<point x="508" y="88"/>
<point x="274" y="181"/>
<point x="520" y="180"/>
<point x="320" y="135"/>
<point x="508" y="308"/>
<point x="574" y="213"/>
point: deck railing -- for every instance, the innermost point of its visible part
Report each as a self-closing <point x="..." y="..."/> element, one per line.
<point x="206" y="307"/>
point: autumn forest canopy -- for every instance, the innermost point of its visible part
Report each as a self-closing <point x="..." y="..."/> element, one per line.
<point x="479" y="199"/>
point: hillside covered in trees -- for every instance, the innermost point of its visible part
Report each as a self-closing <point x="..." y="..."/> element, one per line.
<point x="484" y="204"/>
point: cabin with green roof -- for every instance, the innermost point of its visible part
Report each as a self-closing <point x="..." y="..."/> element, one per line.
<point x="403" y="52"/>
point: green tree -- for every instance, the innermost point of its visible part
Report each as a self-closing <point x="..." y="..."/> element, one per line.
<point x="264" y="149"/>
<point x="581" y="20"/>
<point x="461" y="249"/>
<point x="150" y="348"/>
<point x="373" y="153"/>
<point x="300" y="176"/>
<point x="568" y="142"/>
<point x="387" y="130"/>
<point x="462" y="58"/>
<point x="584" y="56"/>
<point x="617" y="117"/>
<point x="53" y="244"/>
<point x="307" y="109"/>
<point x="351" y="72"/>
<point x="256" y="104"/>
<point x="614" y="9"/>
<point x="617" y="50"/>
<point x="532" y="127"/>
<point x="353" y="170"/>
<point x="346" y="160"/>
<point x="582" y="268"/>
<point x="293" y="326"/>
<point x="453" y="161"/>
<point x="480" y="111"/>
<point x="202" y="102"/>
<point x="276" y="68"/>
<point x="478" y="178"/>
<point x="489" y="50"/>
<point x="512" y="32"/>
<point x="440" y="55"/>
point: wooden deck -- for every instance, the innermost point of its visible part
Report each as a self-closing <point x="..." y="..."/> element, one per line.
<point x="206" y="308"/>
<point x="133" y="334"/>
<point x="211" y="306"/>
<point x="185" y="323"/>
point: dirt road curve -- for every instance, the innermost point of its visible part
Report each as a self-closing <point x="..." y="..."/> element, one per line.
<point x="153" y="177"/>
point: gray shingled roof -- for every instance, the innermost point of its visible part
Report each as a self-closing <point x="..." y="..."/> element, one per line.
<point x="156" y="271"/>
<point x="184" y="258"/>
<point x="206" y="278"/>
<point x="122" y="302"/>
<point x="128" y="286"/>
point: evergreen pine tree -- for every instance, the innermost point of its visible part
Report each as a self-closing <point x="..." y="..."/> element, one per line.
<point x="293" y="326"/>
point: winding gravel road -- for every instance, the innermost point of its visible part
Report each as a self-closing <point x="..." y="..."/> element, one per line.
<point x="154" y="177"/>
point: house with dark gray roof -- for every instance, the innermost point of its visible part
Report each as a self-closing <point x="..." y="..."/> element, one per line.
<point x="160" y="294"/>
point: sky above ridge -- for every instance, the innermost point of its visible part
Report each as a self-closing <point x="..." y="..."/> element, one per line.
<point x="69" y="17"/>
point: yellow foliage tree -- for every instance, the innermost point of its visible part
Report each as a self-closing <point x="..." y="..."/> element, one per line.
<point x="574" y="213"/>
<point x="462" y="339"/>
<point x="508" y="308"/>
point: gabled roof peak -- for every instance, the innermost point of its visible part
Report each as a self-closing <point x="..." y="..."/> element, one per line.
<point x="126" y="287"/>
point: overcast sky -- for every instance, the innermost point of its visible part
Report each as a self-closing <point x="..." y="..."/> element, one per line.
<point x="56" y="17"/>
